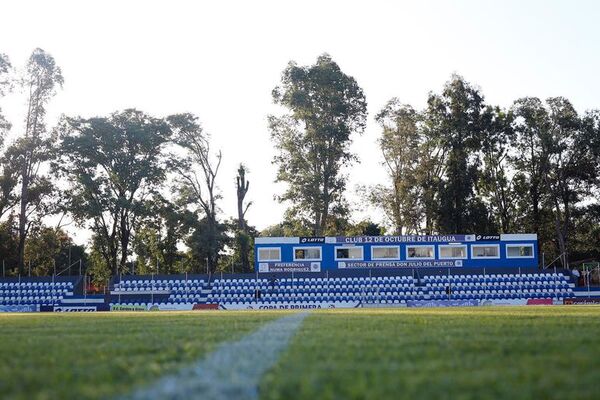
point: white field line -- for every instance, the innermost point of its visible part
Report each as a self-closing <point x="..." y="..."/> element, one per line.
<point x="233" y="370"/>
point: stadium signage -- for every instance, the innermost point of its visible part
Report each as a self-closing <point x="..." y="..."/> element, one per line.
<point x="406" y="239"/>
<point x="400" y="264"/>
<point x="582" y="301"/>
<point x="540" y="302"/>
<point x="19" y="308"/>
<point x="442" y="303"/>
<point x="122" y="307"/>
<point x="487" y="237"/>
<point x="296" y="266"/>
<point x="318" y="239"/>
<point x="503" y="302"/>
<point x="75" y="309"/>
<point x="289" y="306"/>
<point x="208" y="306"/>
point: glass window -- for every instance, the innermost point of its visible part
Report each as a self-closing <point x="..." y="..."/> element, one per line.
<point x="519" y="251"/>
<point x="419" y="252"/>
<point x="487" y="251"/>
<point x="307" y="253"/>
<point x="269" y="254"/>
<point x="453" y="251"/>
<point x="349" y="253"/>
<point x="385" y="252"/>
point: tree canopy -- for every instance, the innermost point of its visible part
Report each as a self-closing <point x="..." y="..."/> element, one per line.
<point x="324" y="108"/>
<point x="148" y="188"/>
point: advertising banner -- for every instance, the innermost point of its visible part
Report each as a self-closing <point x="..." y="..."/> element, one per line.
<point x="539" y="302"/>
<point x="75" y="309"/>
<point x="20" y="308"/>
<point x="442" y="303"/>
<point x="403" y="239"/>
<point x="400" y="264"/>
<point x="153" y="307"/>
<point x="162" y="307"/>
<point x="210" y="306"/>
<point x="506" y="302"/>
<point x="171" y="307"/>
<point x="487" y="237"/>
<point x="296" y="266"/>
<point x="313" y="239"/>
<point x="582" y="301"/>
<point x="123" y="307"/>
<point x="288" y="306"/>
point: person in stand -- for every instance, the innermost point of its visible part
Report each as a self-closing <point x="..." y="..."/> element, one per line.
<point x="576" y="274"/>
<point x="273" y="282"/>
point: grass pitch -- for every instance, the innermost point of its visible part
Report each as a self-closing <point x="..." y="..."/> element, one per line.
<point x="472" y="353"/>
<point x="98" y="355"/>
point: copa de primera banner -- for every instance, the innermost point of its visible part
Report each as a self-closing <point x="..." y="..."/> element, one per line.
<point x="290" y="306"/>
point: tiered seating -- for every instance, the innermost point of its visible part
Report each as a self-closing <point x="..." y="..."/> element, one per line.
<point x="143" y="291"/>
<point x="498" y="286"/>
<point x="33" y="293"/>
<point x="389" y="289"/>
<point x="179" y="291"/>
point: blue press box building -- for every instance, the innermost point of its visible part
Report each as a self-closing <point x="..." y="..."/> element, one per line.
<point x="318" y="254"/>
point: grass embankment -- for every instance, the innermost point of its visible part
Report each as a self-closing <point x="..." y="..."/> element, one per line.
<point x="475" y="353"/>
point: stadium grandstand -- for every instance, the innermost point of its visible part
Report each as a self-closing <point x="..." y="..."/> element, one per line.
<point x="331" y="272"/>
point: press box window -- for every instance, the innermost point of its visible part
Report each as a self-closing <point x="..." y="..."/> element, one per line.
<point x="348" y="253"/>
<point x="269" y="254"/>
<point x="307" y="253"/>
<point x="519" y="251"/>
<point x="419" y="252"/>
<point x="385" y="252"/>
<point x="453" y="251"/>
<point x="491" y="251"/>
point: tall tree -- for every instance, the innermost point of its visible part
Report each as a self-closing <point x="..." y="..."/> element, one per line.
<point x="399" y="144"/>
<point x="115" y="166"/>
<point x="456" y="116"/>
<point x="49" y="249"/>
<point x="9" y="171"/>
<point x="568" y="166"/>
<point x="156" y="239"/>
<point x="41" y="78"/>
<point x="556" y="155"/>
<point x="242" y="238"/>
<point x="9" y="243"/>
<point x="196" y="175"/>
<point x="530" y="122"/>
<point x="496" y="183"/>
<point x="326" y="107"/>
<point x="5" y="67"/>
<point x="431" y="170"/>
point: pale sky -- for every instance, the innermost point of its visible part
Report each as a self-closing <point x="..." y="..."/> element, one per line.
<point x="221" y="59"/>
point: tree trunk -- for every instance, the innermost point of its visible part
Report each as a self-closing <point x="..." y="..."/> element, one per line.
<point x="242" y="189"/>
<point x="23" y="217"/>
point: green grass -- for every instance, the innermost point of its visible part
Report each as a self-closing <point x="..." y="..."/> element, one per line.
<point x="474" y="353"/>
<point x="84" y="356"/>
